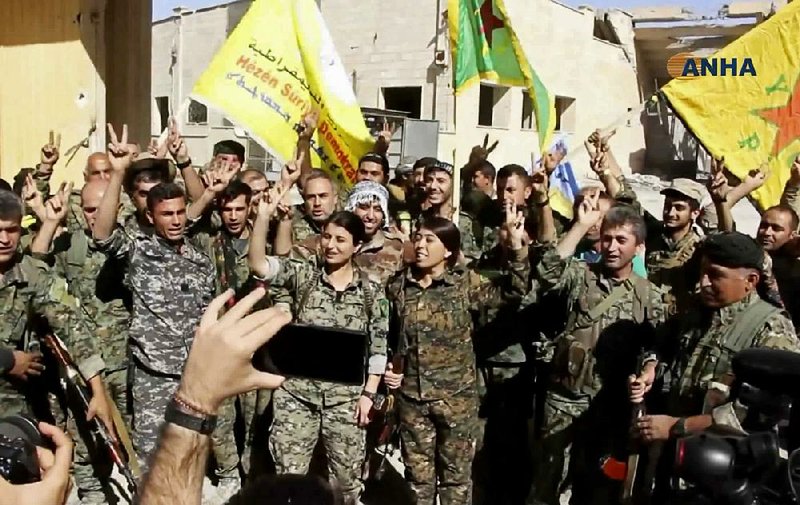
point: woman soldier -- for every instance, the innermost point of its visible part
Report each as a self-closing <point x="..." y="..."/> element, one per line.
<point x="326" y="290"/>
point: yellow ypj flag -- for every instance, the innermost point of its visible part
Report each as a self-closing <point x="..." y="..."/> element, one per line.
<point x="277" y="64"/>
<point x="749" y="119"/>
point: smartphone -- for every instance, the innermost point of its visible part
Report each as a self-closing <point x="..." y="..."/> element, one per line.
<point x="315" y="352"/>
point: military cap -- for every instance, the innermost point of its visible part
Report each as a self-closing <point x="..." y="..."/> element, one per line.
<point x="688" y="188"/>
<point x="733" y="250"/>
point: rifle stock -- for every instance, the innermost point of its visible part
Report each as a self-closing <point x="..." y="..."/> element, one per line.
<point x="74" y="381"/>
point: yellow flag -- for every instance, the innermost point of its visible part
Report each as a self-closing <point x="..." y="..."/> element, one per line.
<point x="749" y="119"/>
<point x="277" y="64"/>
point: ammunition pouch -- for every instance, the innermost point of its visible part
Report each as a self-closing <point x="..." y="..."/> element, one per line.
<point x="573" y="365"/>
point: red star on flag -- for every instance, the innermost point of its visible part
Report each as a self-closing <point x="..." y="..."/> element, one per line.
<point x="489" y="20"/>
<point x="787" y="119"/>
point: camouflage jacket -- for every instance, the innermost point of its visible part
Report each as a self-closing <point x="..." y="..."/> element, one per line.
<point x="303" y="227"/>
<point x="381" y="257"/>
<point x="608" y="345"/>
<point x="698" y="346"/>
<point x="170" y="287"/>
<point x="324" y="306"/>
<point x="673" y="265"/>
<point x="29" y="289"/>
<point x="433" y="325"/>
<point x="75" y="220"/>
<point x="97" y="282"/>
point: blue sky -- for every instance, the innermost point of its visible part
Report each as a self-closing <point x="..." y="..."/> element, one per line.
<point x="163" y="8"/>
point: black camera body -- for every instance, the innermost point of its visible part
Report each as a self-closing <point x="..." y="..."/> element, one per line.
<point x="19" y="463"/>
<point x="749" y="470"/>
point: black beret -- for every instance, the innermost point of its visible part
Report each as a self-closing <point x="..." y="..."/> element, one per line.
<point x="733" y="250"/>
<point x="230" y="147"/>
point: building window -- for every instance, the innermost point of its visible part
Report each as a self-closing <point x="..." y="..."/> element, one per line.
<point x="162" y="103"/>
<point x="258" y="157"/>
<point x="226" y="123"/>
<point x="405" y="99"/>
<point x="197" y="114"/>
<point x="493" y="106"/>
<point x="527" y="111"/>
<point x="565" y="114"/>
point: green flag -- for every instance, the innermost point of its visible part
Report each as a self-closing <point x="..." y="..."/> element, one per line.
<point x="485" y="47"/>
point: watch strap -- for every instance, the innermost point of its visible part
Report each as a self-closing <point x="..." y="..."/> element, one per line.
<point x="368" y="394"/>
<point x="203" y="424"/>
<point x="679" y="428"/>
<point x="185" y="164"/>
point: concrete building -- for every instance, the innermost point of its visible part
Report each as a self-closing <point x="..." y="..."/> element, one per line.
<point x="71" y="66"/>
<point x="600" y="64"/>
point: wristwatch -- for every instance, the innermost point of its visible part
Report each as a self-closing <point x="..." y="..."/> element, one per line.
<point x="368" y="394"/>
<point x="678" y="429"/>
<point x="195" y="421"/>
<point x="185" y="164"/>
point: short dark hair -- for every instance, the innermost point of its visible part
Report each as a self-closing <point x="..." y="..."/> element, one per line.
<point x="794" y="220"/>
<point x="11" y="207"/>
<point x="163" y="191"/>
<point x="288" y="489"/>
<point x="234" y="190"/>
<point x="350" y="222"/>
<point x="513" y="169"/>
<point x="5" y="185"/>
<point x="625" y="215"/>
<point x="425" y="162"/>
<point x="147" y="176"/>
<point x="487" y="169"/>
<point x="446" y="231"/>
<point x="376" y="158"/>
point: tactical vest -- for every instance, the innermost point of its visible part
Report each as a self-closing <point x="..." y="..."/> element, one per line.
<point x="574" y="360"/>
<point x="711" y="358"/>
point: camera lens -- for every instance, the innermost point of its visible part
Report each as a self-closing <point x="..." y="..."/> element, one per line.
<point x="19" y="437"/>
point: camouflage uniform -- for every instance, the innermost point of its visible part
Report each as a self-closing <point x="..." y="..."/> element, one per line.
<point x="303" y="227"/>
<point x="229" y="255"/>
<point x="96" y="281"/>
<point x="307" y="410"/>
<point x="706" y="341"/>
<point x="670" y="264"/>
<point x="29" y="288"/>
<point x="609" y="327"/>
<point x="171" y="287"/>
<point x="75" y="219"/>
<point x="381" y="257"/>
<point x="438" y="404"/>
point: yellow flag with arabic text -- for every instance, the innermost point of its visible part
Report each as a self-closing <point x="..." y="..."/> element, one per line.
<point x="276" y="65"/>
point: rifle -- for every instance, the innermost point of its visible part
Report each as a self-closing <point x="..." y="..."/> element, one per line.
<point x="625" y="471"/>
<point x="385" y="408"/>
<point x="74" y="380"/>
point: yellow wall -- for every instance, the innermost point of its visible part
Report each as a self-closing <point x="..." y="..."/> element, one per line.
<point x="55" y="61"/>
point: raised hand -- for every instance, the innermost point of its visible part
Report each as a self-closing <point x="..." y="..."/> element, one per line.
<point x="214" y="181"/>
<point x="308" y="124"/>
<point x="756" y="178"/>
<point x="718" y="183"/>
<point x="514" y="225"/>
<point x="31" y="194"/>
<point x="482" y="152"/>
<point x="291" y="171"/>
<point x="51" y="151"/>
<point x="599" y="162"/>
<point x="795" y="171"/>
<point x="175" y="143"/>
<point x="158" y="150"/>
<point x="588" y="211"/>
<point x="119" y="151"/>
<point x="387" y="132"/>
<point x="540" y="183"/>
<point x="56" y="207"/>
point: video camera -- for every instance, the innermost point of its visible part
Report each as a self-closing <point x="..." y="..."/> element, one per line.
<point x="750" y="470"/>
<point x="19" y="463"/>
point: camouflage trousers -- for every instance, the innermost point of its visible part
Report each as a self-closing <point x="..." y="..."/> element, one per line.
<point x="298" y="426"/>
<point x="438" y="446"/>
<point x="577" y="435"/>
<point x="151" y="394"/>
